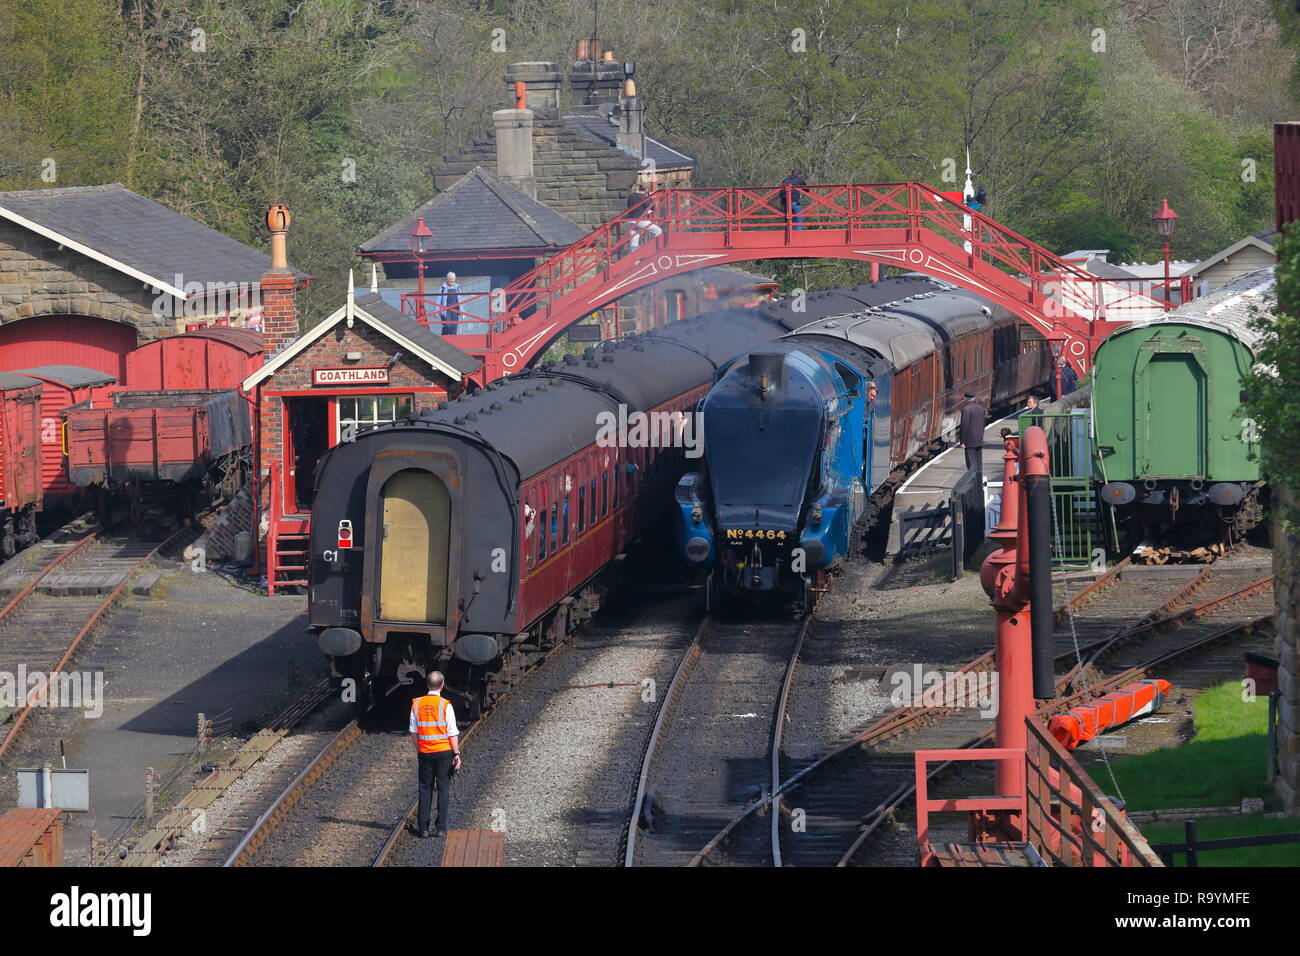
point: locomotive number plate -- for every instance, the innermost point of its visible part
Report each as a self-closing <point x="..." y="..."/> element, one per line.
<point x="749" y="534"/>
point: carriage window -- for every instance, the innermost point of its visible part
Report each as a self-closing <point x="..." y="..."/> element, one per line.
<point x="555" y="528"/>
<point x="594" y="513"/>
<point x="604" y="493"/>
<point x="564" y="523"/>
<point x="541" y="531"/>
<point x="582" y="509"/>
<point x="617" y="465"/>
<point x="530" y="534"/>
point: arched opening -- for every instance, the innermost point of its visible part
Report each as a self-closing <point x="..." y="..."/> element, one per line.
<point x="81" y="340"/>
<point x="414" y="551"/>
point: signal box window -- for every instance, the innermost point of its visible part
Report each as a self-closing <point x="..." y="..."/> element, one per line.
<point x="371" y="410"/>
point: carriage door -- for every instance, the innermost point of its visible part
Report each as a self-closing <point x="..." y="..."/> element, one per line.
<point x="413" y="549"/>
<point x="1171" y="386"/>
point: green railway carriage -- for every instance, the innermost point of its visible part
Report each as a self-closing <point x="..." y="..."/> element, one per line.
<point x="1171" y="444"/>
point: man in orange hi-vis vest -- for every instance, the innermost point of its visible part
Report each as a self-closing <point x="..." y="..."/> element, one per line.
<point x="437" y="748"/>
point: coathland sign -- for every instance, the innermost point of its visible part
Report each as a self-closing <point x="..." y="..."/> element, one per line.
<point x="349" y="376"/>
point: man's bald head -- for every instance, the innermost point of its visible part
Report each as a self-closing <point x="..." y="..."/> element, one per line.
<point x="435" y="681"/>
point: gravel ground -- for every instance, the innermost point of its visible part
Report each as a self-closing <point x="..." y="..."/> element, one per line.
<point x="555" y="766"/>
<point x="879" y="619"/>
<point x="229" y="817"/>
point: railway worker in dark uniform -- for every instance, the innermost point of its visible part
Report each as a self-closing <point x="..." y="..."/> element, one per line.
<point x="437" y="749"/>
<point x="1033" y="413"/>
<point x="794" y="198"/>
<point x="971" y="432"/>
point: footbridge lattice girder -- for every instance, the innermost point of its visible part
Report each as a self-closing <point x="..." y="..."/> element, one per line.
<point x="906" y="225"/>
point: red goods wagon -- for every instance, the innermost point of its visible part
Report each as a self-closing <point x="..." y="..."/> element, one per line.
<point x="171" y="436"/>
<point x="64" y="386"/>
<point x="20" y="461"/>
<point x="217" y="357"/>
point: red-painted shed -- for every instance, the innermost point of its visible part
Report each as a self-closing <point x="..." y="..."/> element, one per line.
<point x="63" y="386"/>
<point x="215" y="357"/>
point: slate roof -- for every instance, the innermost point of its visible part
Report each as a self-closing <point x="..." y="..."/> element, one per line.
<point x="374" y="304"/>
<point x="135" y="235"/>
<point x="481" y="212"/>
<point x="597" y="126"/>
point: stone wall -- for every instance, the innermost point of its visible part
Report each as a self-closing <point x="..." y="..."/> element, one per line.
<point x="577" y="175"/>
<point x="36" y="278"/>
<point x="1286" y="591"/>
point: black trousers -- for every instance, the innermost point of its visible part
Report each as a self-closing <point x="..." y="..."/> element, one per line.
<point x="975" y="458"/>
<point x="434" y="766"/>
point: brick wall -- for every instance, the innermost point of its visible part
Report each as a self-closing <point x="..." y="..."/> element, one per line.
<point x="36" y="278"/>
<point x="328" y="352"/>
<point x="1286" y="592"/>
<point x="577" y="176"/>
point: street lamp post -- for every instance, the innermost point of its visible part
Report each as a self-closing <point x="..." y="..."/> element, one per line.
<point x="421" y="236"/>
<point x="1164" y="220"/>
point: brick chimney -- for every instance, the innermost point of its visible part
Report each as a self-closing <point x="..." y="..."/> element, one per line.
<point x="594" y="77"/>
<point x="278" y="288"/>
<point x="542" y="82"/>
<point x="514" y="133"/>
<point x="631" y="124"/>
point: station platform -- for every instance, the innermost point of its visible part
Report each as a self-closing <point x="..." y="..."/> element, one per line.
<point x="931" y="485"/>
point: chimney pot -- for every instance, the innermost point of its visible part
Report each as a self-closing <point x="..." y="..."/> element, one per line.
<point x="277" y="221"/>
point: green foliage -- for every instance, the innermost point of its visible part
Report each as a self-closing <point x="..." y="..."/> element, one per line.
<point x="1274" y="385"/>
<point x="219" y="107"/>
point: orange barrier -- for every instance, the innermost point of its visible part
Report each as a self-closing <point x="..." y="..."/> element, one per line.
<point x="1086" y="721"/>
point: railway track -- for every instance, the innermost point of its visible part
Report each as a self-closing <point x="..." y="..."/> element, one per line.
<point x="1125" y="627"/>
<point x="372" y="846"/>
<point x="716" y="741"/>
<point x="71" y="587"/>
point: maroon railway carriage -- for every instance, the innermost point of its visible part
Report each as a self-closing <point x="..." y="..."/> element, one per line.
<point x="477" y="532"/>
<point x="20" y="460"/>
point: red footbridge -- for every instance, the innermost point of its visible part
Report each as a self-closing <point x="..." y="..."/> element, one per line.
<point x="910" y="226"/>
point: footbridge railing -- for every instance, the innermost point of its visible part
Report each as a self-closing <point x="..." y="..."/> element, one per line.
<point x="907" y="225"/>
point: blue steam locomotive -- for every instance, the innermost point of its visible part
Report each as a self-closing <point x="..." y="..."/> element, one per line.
<point x="807" y="437"/>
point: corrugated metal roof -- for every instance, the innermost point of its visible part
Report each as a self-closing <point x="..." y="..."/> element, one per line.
<point x="1232" y="308"/>
<point x="126" y="229"/>
<point x="481" y="212"/>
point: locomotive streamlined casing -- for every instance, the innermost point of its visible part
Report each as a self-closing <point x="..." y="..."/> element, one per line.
<point x="520" y="504"/>
<point x="1166" y="405"/>
<point x="921" y="351"/>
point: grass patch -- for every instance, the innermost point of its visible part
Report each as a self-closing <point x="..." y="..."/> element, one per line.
<point x="1217" y="828"/>
<point x="1219" y="767"/>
